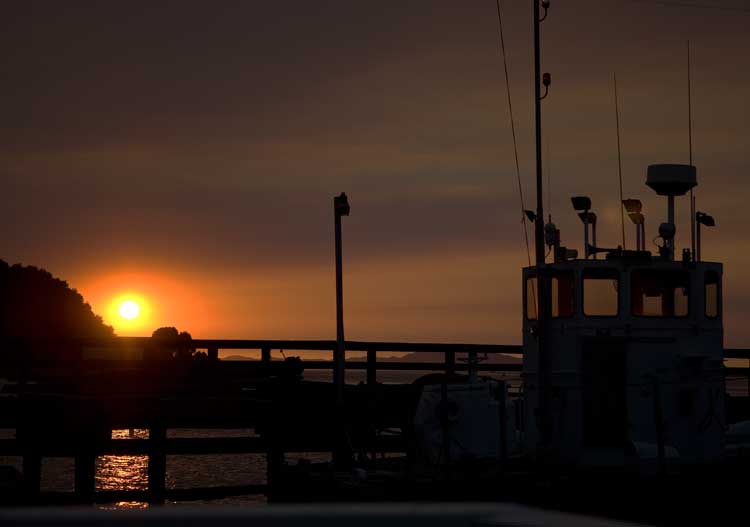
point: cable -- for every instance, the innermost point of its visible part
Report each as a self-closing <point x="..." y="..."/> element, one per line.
<point x="515" y="142"/>
<point x="619" y="162"/>
<point x="677" y="3"/>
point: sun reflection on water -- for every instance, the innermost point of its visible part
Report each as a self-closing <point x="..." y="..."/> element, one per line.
<point x="123" y="472"/>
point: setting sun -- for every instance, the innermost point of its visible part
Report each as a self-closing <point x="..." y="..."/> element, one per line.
<point x="129" y="310"/>
<point x="130" y="313"/>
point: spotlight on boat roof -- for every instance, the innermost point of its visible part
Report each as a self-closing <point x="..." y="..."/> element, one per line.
<point x="705" y="219"/>
<point x="637" y="218"/>
<point x="587" y="217"/>
<point x="632" y="205"/>
<point x="581" y="203"/>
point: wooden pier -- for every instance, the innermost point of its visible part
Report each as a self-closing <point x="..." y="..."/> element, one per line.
<point x="67" y="404"/>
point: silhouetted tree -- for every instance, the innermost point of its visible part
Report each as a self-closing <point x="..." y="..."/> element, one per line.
<point x="35" y="304"/>
<point x="172" y="343"/>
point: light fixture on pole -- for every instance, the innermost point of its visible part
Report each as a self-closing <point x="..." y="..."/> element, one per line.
<point x="634" y="207"/>
<point x="701" y="218"/>
<point x="340" y="208"/>
<point x="582" y="205"/>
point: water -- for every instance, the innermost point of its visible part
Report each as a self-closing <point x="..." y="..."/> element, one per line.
<point x="131" y="472"/>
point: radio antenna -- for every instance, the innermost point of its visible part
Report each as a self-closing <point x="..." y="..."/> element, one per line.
<point x="690" y="153"/>
<point x="549" y="179"/>
<point x="619" y="162"/>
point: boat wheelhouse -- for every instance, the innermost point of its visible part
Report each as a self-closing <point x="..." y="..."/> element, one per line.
<point x="634" y="348"/>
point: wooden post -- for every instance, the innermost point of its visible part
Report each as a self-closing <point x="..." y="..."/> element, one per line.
<point x="372" y="379"/>
<point x="372" y="367"/>
<point x="274" y="461"/>
<point x="85" y="473"/>
<point x="157" y="463"/>
<point x="31" y="467"/>
<point x="503" y="397"/>
<point x="265" y="355"/>
<point x="213" y="354"/>
<point x="450" y="362"/>
<point x="32" y="473"/>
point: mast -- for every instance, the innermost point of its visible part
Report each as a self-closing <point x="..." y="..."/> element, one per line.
<point x="542" y="282"/>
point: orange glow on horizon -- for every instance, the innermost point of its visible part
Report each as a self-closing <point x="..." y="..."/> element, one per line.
<point x="135" y="303"/>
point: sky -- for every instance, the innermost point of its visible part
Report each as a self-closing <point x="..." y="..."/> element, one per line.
<point x="187" y="152"/>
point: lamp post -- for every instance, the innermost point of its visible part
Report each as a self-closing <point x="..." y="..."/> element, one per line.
<point x="340" y="208"/>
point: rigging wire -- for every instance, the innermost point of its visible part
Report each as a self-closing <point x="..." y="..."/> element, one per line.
<point x="548" y="166"/>
<point x="678" y="3"/>
<point x="690" y="152"/>
<point x="619" y="161"/>
<point x="515" y="141"/>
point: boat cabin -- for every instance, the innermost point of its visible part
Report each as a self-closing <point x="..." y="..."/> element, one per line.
<point x="634" y="347"/>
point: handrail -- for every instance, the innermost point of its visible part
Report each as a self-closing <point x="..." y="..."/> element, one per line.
<point x="296" y="345"/>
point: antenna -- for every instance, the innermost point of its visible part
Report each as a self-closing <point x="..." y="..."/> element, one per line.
<point x="619" y="161"/>
<point x="549" y="178"/>
<point x="690" y="153"/>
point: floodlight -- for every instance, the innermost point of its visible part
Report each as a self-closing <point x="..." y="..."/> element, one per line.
<point x="705" y="219"/>
<point x="632" y="205"/>
<point x="587" y="217"/>
<point x="637" y="218"/>
<point x="581" y="203"/>
<point x="701" y="218"/>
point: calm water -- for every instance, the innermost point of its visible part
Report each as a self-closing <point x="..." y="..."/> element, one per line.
<point x="131" y="472"/>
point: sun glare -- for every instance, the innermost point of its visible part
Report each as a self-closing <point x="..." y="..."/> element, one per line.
<point x="130" y="313"/>
<point x="129" y="310"/>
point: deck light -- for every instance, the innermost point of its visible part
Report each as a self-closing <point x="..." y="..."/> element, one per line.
<point x="704" y="219"/>
<point x="634" y="208"/>
<point x="701" y="218"/>
<point x="632" y="205"/>
<point x="581" y="203"/>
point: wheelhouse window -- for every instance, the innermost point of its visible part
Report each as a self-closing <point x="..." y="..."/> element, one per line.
<point x="712" y="294"/>
<point x="563" y="294"/>
<point x="531" y="296"/>
<point x="658" y="293"/>
<point x="601" y="292"/>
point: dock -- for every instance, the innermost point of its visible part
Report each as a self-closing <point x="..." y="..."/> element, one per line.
<point x="66" y="405"/>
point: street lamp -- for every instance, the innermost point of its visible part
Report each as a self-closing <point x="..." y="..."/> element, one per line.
<point x="340" y="208"/>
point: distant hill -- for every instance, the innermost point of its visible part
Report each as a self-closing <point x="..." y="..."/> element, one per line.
<point x="416" y="357"/>
<point x="495" y="358"/>
<point x="33" y="303"/>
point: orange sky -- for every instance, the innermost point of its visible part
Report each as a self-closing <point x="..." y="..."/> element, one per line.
<point x="188" y="152"/>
